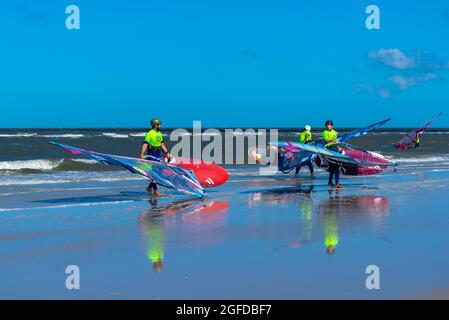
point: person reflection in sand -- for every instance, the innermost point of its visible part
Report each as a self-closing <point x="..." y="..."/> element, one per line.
<point x="153" y="229"/>
<point x="306" y="215"/>
<point x="329" y="211"/>
<point x="351" y="210"/>
<point x="153" y="225"/>
<point x="330" y="227"/>
<point x="156" y="238"/>
<point x="191" y="213"/>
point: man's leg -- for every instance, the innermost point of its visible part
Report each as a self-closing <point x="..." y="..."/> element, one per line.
<point x="310" y="165"/>
<point x="331" y="176"/>
<point x="152" y="187"/>
<point x="337" y="176"/>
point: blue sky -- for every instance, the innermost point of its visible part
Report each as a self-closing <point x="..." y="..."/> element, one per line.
<point x="228" y="63"/>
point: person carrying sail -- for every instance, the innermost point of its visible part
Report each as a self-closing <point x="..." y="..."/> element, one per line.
<point x="306" y="137"/>
<point x="417" y="141"/>
<point x="330" y="142"/>
<point x="153" y="148"/>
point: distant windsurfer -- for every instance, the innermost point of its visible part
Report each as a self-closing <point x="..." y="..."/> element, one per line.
<point x="153" y="148"/>
<point x="417" y="141"/>
<point x="306" y="137"/>
<point x="330" y="142"/>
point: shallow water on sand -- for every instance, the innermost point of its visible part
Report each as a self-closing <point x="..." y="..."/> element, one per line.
<point x="276" y="237"/>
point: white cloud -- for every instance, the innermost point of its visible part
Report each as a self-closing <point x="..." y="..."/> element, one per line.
<point x="370" y="88"/>
<point x="394" y="58"/>
<point x="406" y="82"/>
<point x="384" y="93"/>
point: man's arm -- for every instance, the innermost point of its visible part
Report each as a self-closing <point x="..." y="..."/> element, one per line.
<point x="164" y="148"/>
<point x="143" y="150"/>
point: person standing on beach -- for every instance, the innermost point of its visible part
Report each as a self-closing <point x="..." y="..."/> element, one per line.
<point x="330" y="142"/>
<point x="306" y="137"/>
<point x="153" y="147"/>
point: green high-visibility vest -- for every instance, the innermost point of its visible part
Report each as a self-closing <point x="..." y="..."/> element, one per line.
<point x="305" y="136"/>
<point x="329" y="135"/>
<point x="154" y="138"/>
<point x="330" y="230"/>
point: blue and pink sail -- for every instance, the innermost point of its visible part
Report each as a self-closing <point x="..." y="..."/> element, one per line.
<point x="165" y="174"/>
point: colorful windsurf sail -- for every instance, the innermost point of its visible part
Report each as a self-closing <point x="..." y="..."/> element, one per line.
<point x="413" y="136"/>
<point x="320" y="151"/>
<point x="164" y="174"/>
<point x="362" y="131"/>
<point x="302" y="156"/>
<point x="362" y="159"/>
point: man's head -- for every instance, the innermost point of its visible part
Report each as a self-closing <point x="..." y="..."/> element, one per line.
<point x="158" y="266"/>
<point x="329" y="125"/>
<point x="156" y="124"/>
<point x="307" y="128"/>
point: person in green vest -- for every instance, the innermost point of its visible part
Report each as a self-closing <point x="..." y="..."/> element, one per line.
<point x="417" y="141"/>
<point x="306" y="137"/>
<point x="330" y="142"/>
<point x="155" y="252"/>
<point x="153" y="230"/>
<point x="330" y="232"/>
<point x="306" y="216"/>
<point x="153" y="148"/>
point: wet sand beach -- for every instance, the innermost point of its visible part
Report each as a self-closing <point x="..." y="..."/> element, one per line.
<point x="255" y="237"/>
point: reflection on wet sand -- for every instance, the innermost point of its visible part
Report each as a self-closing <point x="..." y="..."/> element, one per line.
<point x="352" y="208"/>
<point x="349" y="213"/>
<point x="155" y="223"/>
<point x="279" y="195"/>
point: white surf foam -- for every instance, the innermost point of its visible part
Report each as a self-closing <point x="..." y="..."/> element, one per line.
<point x="87" y="161"/>
<point x="440" y="170"/>
<point x="138" y="134"/>
<point x="38" y="164"/>
<point x="67" y="177"/>
<point x="115" y="135"/>
<point x="18" y="135"/>
<point x="419" y="160"/>
<point x="68" y="205"/>
<point x="68" y="135"/>
<point x="240" y="133"/>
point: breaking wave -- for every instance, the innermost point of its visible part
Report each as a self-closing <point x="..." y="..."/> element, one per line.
<point x="39" y="164"/>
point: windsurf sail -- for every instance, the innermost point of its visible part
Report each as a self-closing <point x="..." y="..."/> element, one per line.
<point x="304" y="153"/>
<point x="412" y="137"/>
<point x="337" y="157"/>
<point x="362" y="131"/>
<point x="165" y="174"/>
<point x="367" y="158"/>
<point x="315" y="149"/>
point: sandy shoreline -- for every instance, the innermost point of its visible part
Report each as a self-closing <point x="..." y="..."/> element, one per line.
<point x="255" y="237"/>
